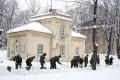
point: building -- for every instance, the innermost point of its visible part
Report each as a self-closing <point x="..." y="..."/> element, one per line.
<point x="100" y="38"/>
<point x="50" y="33"/>
<point x="87" y="30"/>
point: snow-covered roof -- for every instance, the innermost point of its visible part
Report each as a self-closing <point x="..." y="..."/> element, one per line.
<point x="49" y="13"/>
<point x="33" y="26"/>
<point x="53" y="14"/>
<point x="78" y="35"/>
<point x="46" y="17"/>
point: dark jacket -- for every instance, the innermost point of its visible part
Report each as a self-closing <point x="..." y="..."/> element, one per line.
<point x="17" y="59"/>
<point x="86" y="59"/>
<point x="55" y="59"/>
<point x="42" y="58"/>
<point x="98" y="59"/>
<point x="30" y="59"/>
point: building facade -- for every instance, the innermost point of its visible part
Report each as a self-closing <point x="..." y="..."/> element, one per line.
<point x="100" y="39"/>
<point x="49" y="33"/>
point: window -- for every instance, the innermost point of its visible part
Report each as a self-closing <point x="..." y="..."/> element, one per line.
<point x="22" y="48"/>
<point x="19" y="48"/>
<point x="62" y="31"/>
<point x="40" y="48"/>
<point x="62" y="49"/>
<point x="76" y="50"/>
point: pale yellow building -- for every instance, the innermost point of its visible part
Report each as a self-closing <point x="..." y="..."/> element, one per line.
<point x="50" y="33"/>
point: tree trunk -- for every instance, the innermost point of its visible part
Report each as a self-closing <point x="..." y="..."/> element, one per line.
<point x="94" y="50"/>
<point x="109" y="42"/>
<point x="118" y="46"/>
<point x="94" y="37"/>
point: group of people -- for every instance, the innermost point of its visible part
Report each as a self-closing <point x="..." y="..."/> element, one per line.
<point x="77" y="61"/>
<point x="18" y="62"/>
<point x="53" y="61"/>
<point x="108" y="61"/>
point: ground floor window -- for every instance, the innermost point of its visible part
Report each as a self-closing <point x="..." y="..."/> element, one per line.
<point x="40" y="48"/>
<point x="19" y="48"/>
<point x="77" y="50"/>
<point x="62" y="49"/>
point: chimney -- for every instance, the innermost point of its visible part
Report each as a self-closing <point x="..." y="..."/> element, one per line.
<point x="53" y="11"/>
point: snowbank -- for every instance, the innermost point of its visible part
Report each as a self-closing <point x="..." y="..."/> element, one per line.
<point x="63" y="72"/>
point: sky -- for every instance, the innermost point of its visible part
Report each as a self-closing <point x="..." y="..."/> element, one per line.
<point x="56" y="4"/>
<point x="61" y="5"/>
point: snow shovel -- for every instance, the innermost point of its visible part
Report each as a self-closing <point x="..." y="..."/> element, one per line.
<point x="9" y="68"/>
<point x="27" y="68"/>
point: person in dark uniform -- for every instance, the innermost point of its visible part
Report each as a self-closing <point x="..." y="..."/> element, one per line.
<point x="91" y="61"/>
<point x="77" y="60"/>
<point x="18" y="61"/>
<point x="29" y="62"/>
<point x="107" y="59"/>
<point x="53" y="61"/>
<point x="42" y="61"/>
<point x="85" y="61"/>
<point x="74" y="62"/>
<point x="98" y="60"/>
<point x="111" y="61"/>
<point x="80" y="61"/>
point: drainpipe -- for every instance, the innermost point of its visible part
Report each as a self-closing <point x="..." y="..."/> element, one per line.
<point x="51" y="44"/>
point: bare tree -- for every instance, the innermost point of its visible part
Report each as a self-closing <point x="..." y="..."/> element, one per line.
<point x="7" y="13"/>
<point x="113" y="19"/>
<point x="108" y="18"/>
<point x="34" y="8"/>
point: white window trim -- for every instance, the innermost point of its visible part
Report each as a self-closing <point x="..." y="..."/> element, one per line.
<point x="62" y="31"/>
<point x="62" y="49"/>
<point x="77" y="50"/>
<point x="19" y="47"/>
<point x="40" y="49"/>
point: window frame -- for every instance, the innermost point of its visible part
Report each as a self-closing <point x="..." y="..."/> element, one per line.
<point x="77" y="50"/>
<point x="40" y="48"/>
<point x="62" y="49"/>
<point x="19" y="47"/>
<point x="62" y="31"/>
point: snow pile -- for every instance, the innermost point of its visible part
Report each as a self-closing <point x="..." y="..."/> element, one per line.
<point x="3" y="54"/>
<point x="63" y="72"/>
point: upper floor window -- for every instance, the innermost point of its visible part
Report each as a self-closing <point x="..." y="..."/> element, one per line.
<point x="62" y="31"/>
<point x="76" y="50"/>
<point x="62" y="49"/>
<point x="40" y="48"/>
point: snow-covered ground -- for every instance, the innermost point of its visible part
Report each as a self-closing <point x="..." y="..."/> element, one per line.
<point x="63" y="72"/>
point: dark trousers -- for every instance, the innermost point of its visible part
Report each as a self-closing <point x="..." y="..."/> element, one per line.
<point x="29" y="65"/>
<point x="42" y="65"/>
<point x="85" y="64"/>
<point x="52" y="65"/>
<point x="17" y="65"/>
